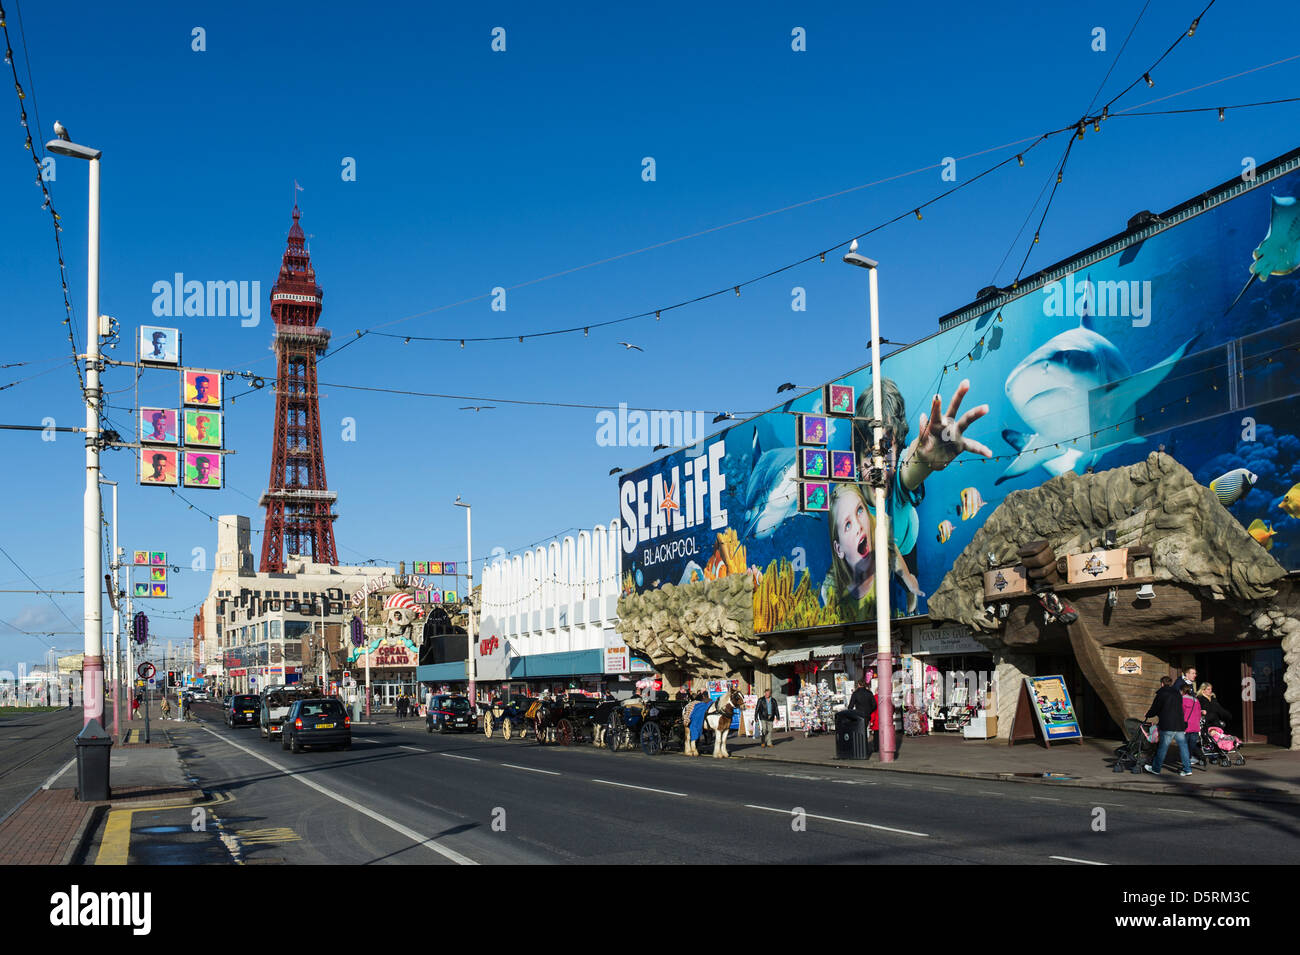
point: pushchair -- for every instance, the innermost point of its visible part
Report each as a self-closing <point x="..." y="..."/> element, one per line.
<point x="1220" y="746"/>
<point x="1140" y="738"/>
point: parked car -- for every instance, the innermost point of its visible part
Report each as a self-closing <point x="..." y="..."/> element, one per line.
<point x="243" y="710"/>
<point x="276" y="703"/>
<point x="200" y="695"/>
<point x="448" y="712"/>
<point x="321" y="721"/>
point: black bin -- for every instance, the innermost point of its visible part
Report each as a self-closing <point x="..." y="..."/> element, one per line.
<point x="93" y="747"/>
<point x="850" y="735"/>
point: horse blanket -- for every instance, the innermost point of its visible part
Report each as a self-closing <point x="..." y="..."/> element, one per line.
<point x="698" y="711"/>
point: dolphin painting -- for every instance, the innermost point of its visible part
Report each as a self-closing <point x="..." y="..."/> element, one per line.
<point x="1050" y="391"/>
<point x="1278" y="253"/>
<point x="771" y="491"/>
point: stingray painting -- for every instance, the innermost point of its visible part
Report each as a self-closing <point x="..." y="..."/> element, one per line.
<point x="1279" y="251"/>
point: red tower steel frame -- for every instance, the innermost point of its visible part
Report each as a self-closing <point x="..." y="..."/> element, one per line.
<point x="299" y="505"/>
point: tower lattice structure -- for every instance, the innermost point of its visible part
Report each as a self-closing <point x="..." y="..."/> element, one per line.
<point x="299" y="505"/>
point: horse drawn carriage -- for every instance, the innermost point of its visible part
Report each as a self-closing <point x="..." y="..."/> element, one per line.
<point x="659" y="725"/>
<point x="566" y="721"/>
<point x="508" y="716"/>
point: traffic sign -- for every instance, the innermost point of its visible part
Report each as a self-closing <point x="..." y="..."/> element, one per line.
<point x="146" y="670"/>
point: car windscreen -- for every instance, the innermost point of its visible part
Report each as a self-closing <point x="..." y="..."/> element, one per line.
<point x="457" y="704"/>
<point x="248" y="701"/>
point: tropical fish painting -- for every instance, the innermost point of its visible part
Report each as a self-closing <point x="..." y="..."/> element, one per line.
<point x="945" y="531"/>
<point x="1233" y="486"/>
<point x="1291" y="501"/>
<point x="971" y="502"/>
<point x="1262" y="532"/>
<point x="1052" y="383"/>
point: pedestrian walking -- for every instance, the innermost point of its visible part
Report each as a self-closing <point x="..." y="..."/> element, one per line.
<point x="1167" y="708"/>
<point x="135" y="705"/>
<point x="1192" y="717"/>
<point x="1213" y="712"/>
<point x="765" y="713"/>
<point x="863" y="702"/>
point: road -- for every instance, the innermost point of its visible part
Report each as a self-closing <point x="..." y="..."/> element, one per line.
<point x="403" y="796"/>
<point x="32" y="746"/>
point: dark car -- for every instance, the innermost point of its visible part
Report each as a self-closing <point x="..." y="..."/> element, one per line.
<point x="317" y="722"/>
<point x="447" y="713"/>
<point x="242" y="710"/>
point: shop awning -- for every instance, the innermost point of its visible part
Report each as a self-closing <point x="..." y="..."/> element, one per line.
<point x="440" y="672"/>
<point x="568" y="663"/>
<point x="836" y="650"/>
<point x="789" y="656"/>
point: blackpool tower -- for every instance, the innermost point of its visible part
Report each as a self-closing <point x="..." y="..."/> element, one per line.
<point x="299" y="505"/>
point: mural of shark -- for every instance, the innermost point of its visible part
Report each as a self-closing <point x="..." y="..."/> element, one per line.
<point x="1050" y="391"/>
<point x="1278" y="253"/>
<point x="771" y="492"/>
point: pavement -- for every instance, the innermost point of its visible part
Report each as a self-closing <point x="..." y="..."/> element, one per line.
<point x="50" y="825"/>
<point x="1271" y="773"/>
<point x="205" y="794"/>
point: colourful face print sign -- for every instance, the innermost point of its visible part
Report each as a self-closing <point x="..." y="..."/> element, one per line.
<point x="157" y="556"/>
<point x="158" y="426"/>
<point x="814" y="462"/>
<point x="202" y="470"/>
<point x="813" y="429"/>
<point x="158" y="467"/>
<point x="449" y="568"/>
<point x="421" y="566"/>
<point x="814" y="496"/>
<point x="140" y="557"/>
<point x="844" y="466"/>
<point x="203" y="429"/>
<point x="157" y="573"/>
<point x="160" y="346"/>
<point x="203" y="388"/>
<point x="839" y="399"/>
<point x="141" y="590"/>
<point x="435" y="567"/>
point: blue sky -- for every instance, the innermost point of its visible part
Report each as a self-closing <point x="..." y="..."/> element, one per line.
<point x="478" y="169"/>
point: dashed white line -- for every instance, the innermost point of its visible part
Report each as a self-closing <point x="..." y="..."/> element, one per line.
<point x="426" y="841"/>
<point x="985" y="792"/>
<point x="1184" y="811"/>
<point x="472" y="759"/>
<point x="1079" y="861"/>
<point x="529" y="769"/>
<point x="847" y="822"/>
<point x="665" y="792"/>
<point x="414" y="749"/>
<point x="1045" y="798"/>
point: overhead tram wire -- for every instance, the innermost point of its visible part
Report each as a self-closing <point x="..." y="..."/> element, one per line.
<point x="33" y="582"/>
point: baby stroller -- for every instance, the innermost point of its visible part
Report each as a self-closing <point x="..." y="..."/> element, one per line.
<point x="1139" y="743"/>
<point x="1221" y="747"/>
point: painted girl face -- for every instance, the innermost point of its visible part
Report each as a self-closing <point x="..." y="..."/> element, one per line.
<point x="853" y="536"/>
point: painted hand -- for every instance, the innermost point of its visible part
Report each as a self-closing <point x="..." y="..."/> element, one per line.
<point x="942" y="436"/>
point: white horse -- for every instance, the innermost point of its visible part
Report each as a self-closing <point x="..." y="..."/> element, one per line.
<point x="717" y="719"/>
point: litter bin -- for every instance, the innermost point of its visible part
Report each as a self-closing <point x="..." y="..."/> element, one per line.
<point x="93" y="747"/>
<point x="850" y="735"/>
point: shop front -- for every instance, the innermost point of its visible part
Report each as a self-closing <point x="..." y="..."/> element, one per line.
<point x="948" y="678"/>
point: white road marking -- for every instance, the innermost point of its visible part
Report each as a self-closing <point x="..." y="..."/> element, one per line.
<point x="426" y="841"/>
<point x="472" y="759"/>
<point x="847" y="822"/>
<point x="366" y="739"/>
<point x="1185" y="811"/>
<point x="941" y="789"/>
<point x="1045" y="798"/>
<point x="1080" y="861"/>
<point x="985" y="792"/>
<point x="665" y="792"/>
<point x="58" y="773"/>
<point x="414" y="749"/>
<point x="529" y="769"/>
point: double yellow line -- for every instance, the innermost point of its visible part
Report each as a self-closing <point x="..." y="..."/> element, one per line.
<point x="115" y="845"/>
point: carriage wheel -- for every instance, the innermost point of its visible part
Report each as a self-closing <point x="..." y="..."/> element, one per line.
<point x="612" y="732"/>
<point x="507" y="728"/>
<point x="487" y="725"/>
<point x="540" y="730"/>
<point x="652" y="741"/>
<point x="565" y="731"/>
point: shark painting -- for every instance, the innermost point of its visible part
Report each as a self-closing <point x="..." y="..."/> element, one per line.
<point x="1050" y="391"/>
<point x="1278" y="253"/>
<point x="771" y="491"/>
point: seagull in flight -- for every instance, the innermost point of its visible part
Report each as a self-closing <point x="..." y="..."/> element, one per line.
<point x="476" y="407"/>
<point x="630" y="346"/>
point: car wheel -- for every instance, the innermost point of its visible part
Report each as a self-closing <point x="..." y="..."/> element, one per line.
<point x="294" y="745"/>
<point x="284" y="740"/>
<point x="428" y="726"/>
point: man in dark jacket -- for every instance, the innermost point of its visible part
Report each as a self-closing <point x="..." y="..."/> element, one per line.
<point x="863" y="702"/>
<point x="1167" y="708"/>
<point x="765" y="714"/>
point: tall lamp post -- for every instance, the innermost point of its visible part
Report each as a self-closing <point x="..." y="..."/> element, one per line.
<point x="116" y="674"/>
<point x="879" y="480"/>
<point x="469" y="599"/>
<point x="92" y="531"/>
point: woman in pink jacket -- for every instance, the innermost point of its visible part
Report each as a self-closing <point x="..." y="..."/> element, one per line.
<point x="1192" y="713"/>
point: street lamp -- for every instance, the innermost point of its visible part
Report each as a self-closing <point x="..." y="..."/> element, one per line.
<point x="92" y="531"/>
<point x="469" y="595"/>
<point x="878" y="480"/>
